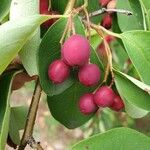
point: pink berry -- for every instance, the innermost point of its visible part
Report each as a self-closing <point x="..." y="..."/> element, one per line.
<point x="104" y="2"/>
<point x="76" y="50"/>
<point x="117" y="104"/>
<point x="89" y="74"/>
<point x="86" y="104"/>
<point x="104" y="96"/>
<point x="58" y="71"/>
<point x="107" y="21"/>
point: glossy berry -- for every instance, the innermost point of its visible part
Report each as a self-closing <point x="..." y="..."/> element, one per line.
<point x="117" y="104"/>
<point x="76" y="50"/>
<point x="89" y="74"/>
<point x="104" y="96"/>
<point x="58" y="71"/>
<point x="86" y="104"/>
<point x="104" y="2"/>
<point x="44" y="5"/>
<point x="107" y="21"/>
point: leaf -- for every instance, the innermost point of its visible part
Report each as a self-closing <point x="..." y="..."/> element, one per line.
<point x="13" y="36"/>
<point x="4" y="8"/>
<point x="134" y="22"/>
<point x="132" y="93"/>
<point x="115" y="139"/>
<point x="137" y="47"/>
<point x="5" y="90"/>
<point x="145" y="4"/>
<point x="134" y="111"/>
<point x="138" y="83"/>
<point x="28" y="52"/>
<point x="17" y="122"/>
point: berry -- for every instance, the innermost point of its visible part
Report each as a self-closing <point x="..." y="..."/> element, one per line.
<point x="104" y="2"/>
<point x="117" y="104"/>
<point x="86" y="104"/>
<point x="89" y="74"/>
<point x="76" y="50"/>
<point x="111" y="4"/>
<point x="44" y="4"/>
<point x="58" y="71"/>
<point x="107" y="21"/>
<point x="104" y="96"/>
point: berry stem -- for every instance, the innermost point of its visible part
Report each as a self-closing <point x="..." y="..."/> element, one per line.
<point x="70" y="6"/>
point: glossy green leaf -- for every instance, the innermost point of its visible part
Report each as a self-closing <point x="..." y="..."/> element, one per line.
<point x="138" y="49"/>
<point x="134" y="111"/>
<point x="115" y="139"/>
<point x="28" y="52"/>
<point x="13" y="36"/>
<point x="5" y="90"/>
<point x="18" y="118"/>
<point x="131" y="92"/>
<point x="133" y="22"/>
<point x="4" y="8"/>
<point x="145" y="4"/>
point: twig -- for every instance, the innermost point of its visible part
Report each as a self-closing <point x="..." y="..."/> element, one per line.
<point x="31" y="116"/>
<point x="103" y="10"/>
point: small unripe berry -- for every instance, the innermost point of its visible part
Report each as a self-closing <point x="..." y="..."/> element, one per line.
<point x="111" y="4"/>
<point x="86" y="104"/>
<point x="104" y="96"/>
<point x="76" y="50"/>
<point x="58" y="71"/>
<point x="117" y="104"/>
<point x="104" y="2"/>
<point x="107" y="21"/>
<point x="89" y="74"/>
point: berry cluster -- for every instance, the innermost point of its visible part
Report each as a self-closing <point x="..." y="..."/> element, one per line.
<point x="75" y="52"/>
<point x="103" y="97"/>
<point x="107" y="19"/>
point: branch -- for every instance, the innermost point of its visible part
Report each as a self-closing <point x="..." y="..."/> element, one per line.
<point x="31" y="116"/>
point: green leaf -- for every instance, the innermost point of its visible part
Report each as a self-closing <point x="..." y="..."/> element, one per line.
<point x="17" y="122"/>
<point x="13" y="36"/>
<point x="131" y="92"/>
<point x="5" y="90"/>
<point x="137" y="47"/>
<point x="134" y="111"/>
<point x="134" y="22"/>
<point x="4" y="8"/>
<point x="145" y="4"/>
<point x="115" y="139"/>
<point x="28" y="52"/>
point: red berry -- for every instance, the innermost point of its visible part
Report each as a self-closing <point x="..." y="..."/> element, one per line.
<point x="104" y="2"/>
<point x="107" y="21"/>
<point x="89" y="74"/>
<point x="117" y="104"/>
<point x="58" y="71"/>
<point x="86" y="104"/>
<point x="76" y="50"/>
<point x="104" y="96"/>
<point x="44" y="5"/>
